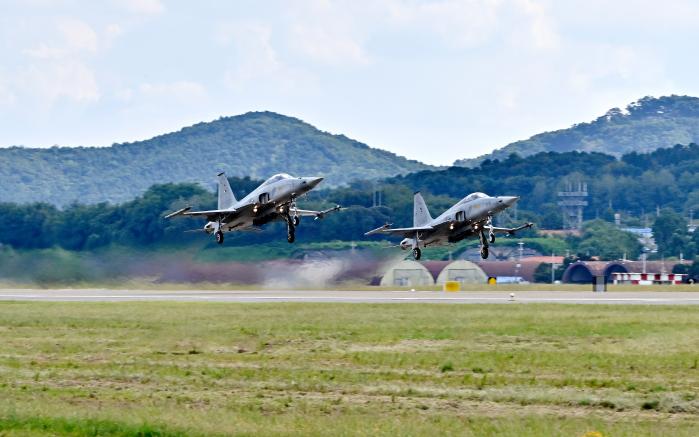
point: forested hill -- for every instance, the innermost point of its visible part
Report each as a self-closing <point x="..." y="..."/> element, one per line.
<point x="256" y="144"/>
<point x="634" y="184"/>
<point x="644" y="126"/>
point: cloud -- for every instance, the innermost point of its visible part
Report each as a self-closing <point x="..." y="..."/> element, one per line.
<point x="7" y="97"/>
<point x="329" y="46"/>
<point x="460" y="23"/>
<point x="597" y="64"/>
<point x="542" y="32"/>
<point x="254" y="63"/>
<point x="73" y="37"/>
<point x="182" y="90"/>
<point x="255" y="57"/>
<point x="143" y="7"/>
<point x="329" y="32"/>
<point x="254" y="54"/>
<point x="111" y="33"/>
<point x="54" y="80"/>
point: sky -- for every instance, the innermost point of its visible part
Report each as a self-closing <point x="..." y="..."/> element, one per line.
<point x="431" y="80"/>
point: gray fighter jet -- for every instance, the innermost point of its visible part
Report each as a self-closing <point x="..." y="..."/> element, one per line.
<point x="472" y="216"/>
<point x="275" y="199"/>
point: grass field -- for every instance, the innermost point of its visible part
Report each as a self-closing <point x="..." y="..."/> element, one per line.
<point x="163" y="369"/>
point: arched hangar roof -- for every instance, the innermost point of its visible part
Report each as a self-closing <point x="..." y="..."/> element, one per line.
<point x="407" y="273"/>
<point x="583" y="272"/>
<point x="462" y="271"/>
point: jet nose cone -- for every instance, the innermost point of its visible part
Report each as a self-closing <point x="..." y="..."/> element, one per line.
<point x="509" y="200"/>
<point x="313" y="182"/>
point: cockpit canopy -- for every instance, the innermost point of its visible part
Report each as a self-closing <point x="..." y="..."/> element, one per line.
<point x="277" y="177"/>
<point x="473" y="196"/>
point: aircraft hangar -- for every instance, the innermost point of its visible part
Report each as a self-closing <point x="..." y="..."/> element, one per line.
<point x="409" y="273"/>
<point x="583" y="272"/>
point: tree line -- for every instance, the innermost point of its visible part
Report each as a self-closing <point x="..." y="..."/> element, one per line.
<point x="637" y="186"/>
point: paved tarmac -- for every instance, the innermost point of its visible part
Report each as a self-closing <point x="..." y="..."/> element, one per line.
<point x="463" y="297"/>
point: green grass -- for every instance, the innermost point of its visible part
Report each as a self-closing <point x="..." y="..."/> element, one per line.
<point x="171" y="369"/>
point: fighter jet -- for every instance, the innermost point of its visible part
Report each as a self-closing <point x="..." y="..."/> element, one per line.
<point x="275" y="199"/>
<point x="472" y="216"/>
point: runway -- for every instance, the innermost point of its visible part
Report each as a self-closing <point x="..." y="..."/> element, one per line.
<point x="383" y="296"/>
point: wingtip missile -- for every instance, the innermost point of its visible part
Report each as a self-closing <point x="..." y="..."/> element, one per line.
<point x="322" y="214"/>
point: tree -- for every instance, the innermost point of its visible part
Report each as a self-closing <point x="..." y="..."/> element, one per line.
<point x="608" y="242"/>
<point x="693" y="271"/>
<point x="542" y="273"/>
<point x="670" y="233"/>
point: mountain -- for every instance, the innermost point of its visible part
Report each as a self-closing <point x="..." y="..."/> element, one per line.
<point x="645" y="125"/>
<point x="256" y="144"/>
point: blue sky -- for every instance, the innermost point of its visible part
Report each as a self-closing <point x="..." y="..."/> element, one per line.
<point x="431" y="80"/>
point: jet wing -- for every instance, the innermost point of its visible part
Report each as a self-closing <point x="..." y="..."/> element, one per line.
<point x="316" y="214"/>
<point x="406" y="232"/>
<point x="510" y="231"/>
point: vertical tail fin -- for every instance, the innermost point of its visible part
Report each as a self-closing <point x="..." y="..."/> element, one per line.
<point x="421" y="215"/>
<point x="226" y="198"/>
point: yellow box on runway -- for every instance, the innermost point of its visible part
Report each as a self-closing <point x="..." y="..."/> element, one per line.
<point x="452" y="286"/>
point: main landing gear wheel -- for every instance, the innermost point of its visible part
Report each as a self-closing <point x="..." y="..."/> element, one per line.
<point x="219" y="237"/>
<point x="417" y="253"/>
<point x="296" y="220"/>
<point x="291" y="234"/>
<point x="484" y="252"/>
<point x="491" y="237"/>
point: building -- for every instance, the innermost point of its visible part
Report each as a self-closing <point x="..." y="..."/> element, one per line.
<point x="407" y="273"/>
<point x="512" y="271"/>
<point x="583" y="272"/>
<point x="463" y="272"/>
<point x="648" y="278"/>
<point x="645" y="237"/>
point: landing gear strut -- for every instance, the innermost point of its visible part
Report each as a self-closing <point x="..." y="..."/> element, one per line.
<point x="417" y="253"/>
<point x="484" y="252"/>
<point x="292" y="207"/>
<point x="484" y="245"/>
<point x="290" y="229"/>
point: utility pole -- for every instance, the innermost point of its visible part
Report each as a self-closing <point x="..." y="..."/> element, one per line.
<point x="644" y="256"/>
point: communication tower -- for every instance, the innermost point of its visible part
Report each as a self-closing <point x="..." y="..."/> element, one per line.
<point x="572" y="202"/>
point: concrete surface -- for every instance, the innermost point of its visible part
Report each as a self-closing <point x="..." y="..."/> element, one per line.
<point x="383" y="296"/>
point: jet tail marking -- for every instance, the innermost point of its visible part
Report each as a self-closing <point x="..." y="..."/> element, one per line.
<point x="421" y="215"/>
<point x="226" y="198"/>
